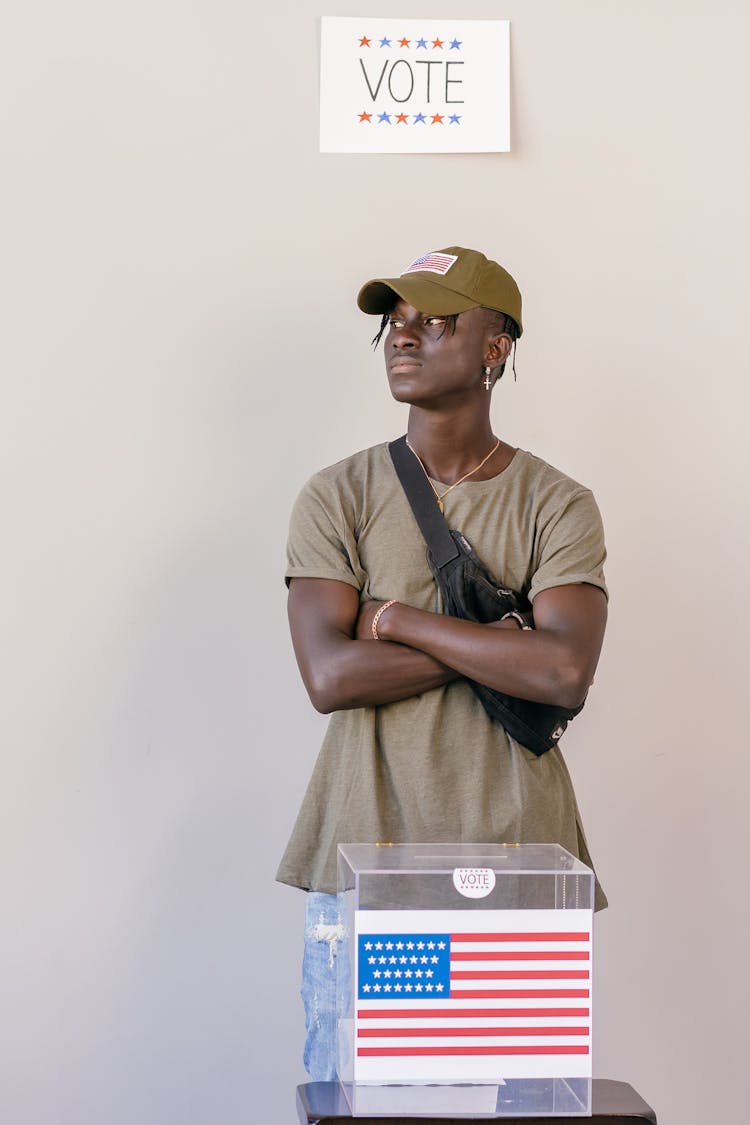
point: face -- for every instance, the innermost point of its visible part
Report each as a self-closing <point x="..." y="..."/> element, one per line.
<point x="429" y="363"/>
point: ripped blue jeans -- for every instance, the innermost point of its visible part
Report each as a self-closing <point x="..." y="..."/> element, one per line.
<point x="325" y="949"/>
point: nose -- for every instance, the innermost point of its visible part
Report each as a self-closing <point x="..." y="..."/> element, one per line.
<point x="405" y="336"/>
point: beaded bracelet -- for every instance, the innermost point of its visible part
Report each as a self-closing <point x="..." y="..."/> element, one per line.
<point x="379" y="614"/>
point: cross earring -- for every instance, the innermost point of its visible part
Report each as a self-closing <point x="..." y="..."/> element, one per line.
<point x="487" y="383"/>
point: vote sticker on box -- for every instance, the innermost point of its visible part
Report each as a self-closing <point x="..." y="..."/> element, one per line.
<point x="474" y="882"/>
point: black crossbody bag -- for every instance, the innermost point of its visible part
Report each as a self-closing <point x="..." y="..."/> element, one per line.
<point x="470" y="591"/>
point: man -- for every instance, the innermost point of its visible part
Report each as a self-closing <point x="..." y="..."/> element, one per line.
<point x="410" y="754"/>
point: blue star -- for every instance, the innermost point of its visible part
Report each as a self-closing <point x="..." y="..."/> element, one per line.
<point x="384" y="117"/>
<point x="419" y="118"/>
<point x="454" y="119"/>
<point x="455" y="44"/>
<point x="422" y="43"/>
<point x="385" y="42"/>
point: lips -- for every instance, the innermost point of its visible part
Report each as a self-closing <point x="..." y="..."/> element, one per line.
<point x="403" y="363"/>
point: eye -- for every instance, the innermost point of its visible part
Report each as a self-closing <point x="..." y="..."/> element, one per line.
<point x="395" y="322"/>
<point x="434" y="321"/>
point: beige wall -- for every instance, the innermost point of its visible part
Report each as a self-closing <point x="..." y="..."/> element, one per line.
<point x="180" y="349"/>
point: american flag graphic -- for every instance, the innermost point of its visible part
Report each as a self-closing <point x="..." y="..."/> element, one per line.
<point x="432" y="263"/>
<point x="473" y="994"/>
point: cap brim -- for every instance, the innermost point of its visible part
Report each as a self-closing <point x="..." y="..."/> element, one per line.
<point x="381" y="294"/>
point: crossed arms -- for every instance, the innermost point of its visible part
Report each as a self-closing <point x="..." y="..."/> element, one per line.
<point x="343" y="667"/>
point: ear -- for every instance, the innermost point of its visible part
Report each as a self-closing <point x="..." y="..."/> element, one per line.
<point x="498" y="350"/>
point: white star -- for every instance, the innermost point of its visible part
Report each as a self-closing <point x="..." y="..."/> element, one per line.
<point x="441" y="945"/>
<point x="413" y="960"/>
<point x="423" y="960"/>
<point x="376" y="972"/>
<point x="371" y="960"/>
<point x="428" y="987"/>
<point x="410" y="945"/>
<point x="418" y="973"/>
<point x="368" y="945"/>
<point x="397" y="987"/>
<point x="365" y="988"/>
<point x="386" y="988"/>
<point x="378" y="945"/>
<point x="389" y="945"/>
<point x="439" y="987"/>
<point x="435" y="960"/>
<point x="428" y="972"/>
<point x="399" y="945"/>
<point x="407" y="988"/>
<point x="376" y="988"/>
<point x="387" y="973"/>
<point x="382" y="960"/>
<point x="430" y="944"/>
<point x="402" y="960"/>
<point x="420" y="945"/>
<point x="392" y="960"/>
<point x="417" y="987"/>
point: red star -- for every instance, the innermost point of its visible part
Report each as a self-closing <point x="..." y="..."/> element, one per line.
<point x="403" y="42"/>
<point x="364" y="41"/>
<point x="437" y="119"/>
<point x="364" y="117"/>
<point x="402" y="119"/>
<point x="436" y="43"/>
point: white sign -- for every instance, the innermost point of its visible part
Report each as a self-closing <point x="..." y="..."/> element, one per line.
<point x="406" y="85"/>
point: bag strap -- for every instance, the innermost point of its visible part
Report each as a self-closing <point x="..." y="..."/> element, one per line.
<point x="423" y="502"/>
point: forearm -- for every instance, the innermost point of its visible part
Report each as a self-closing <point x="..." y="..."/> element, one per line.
<point x="363" y="673"/>
<point x="540" y="665"/>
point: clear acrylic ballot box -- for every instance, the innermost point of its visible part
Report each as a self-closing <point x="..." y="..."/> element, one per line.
<point x="464" y="981"/>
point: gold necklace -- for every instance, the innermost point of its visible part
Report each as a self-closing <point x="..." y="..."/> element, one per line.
<point x="441" y="496"/>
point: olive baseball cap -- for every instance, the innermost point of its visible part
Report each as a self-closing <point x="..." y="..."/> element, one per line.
<point x="445" y="282"/>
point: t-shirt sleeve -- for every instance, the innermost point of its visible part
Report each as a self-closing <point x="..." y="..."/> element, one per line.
<point x="570" y="546"/>
<point x="322" y="542"/>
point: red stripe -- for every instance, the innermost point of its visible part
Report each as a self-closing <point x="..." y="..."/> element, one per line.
<point x="451" y="1032"/>
<point x="520" y="955"/>
<point x="520" y="974"/>
<point x="521" y="937"/>
<point x="464" y="1013"/>
<point x="539" y="1049"/>
<point x="522" y="994"/>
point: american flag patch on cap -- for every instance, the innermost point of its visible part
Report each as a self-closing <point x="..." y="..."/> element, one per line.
<point x="432" y="263"/>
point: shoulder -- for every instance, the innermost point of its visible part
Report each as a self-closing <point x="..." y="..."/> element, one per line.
<point x="543" y="476"/>
<point x="347" y="481"/>
<point x="549" y="490"/>
<point x="341" y="490"/>
<point x="568" y="532"/>
<point x="335" y="513"/>
<point x="560" y="508"/>
<point x="356" y="467"/>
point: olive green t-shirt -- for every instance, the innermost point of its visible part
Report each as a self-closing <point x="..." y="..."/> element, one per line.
<point x="435" y="767"/>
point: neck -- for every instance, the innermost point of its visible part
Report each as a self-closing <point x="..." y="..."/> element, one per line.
<point x="450" y="447"/>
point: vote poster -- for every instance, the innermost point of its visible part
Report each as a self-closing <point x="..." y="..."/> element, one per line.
<point x="410" y="85"/>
